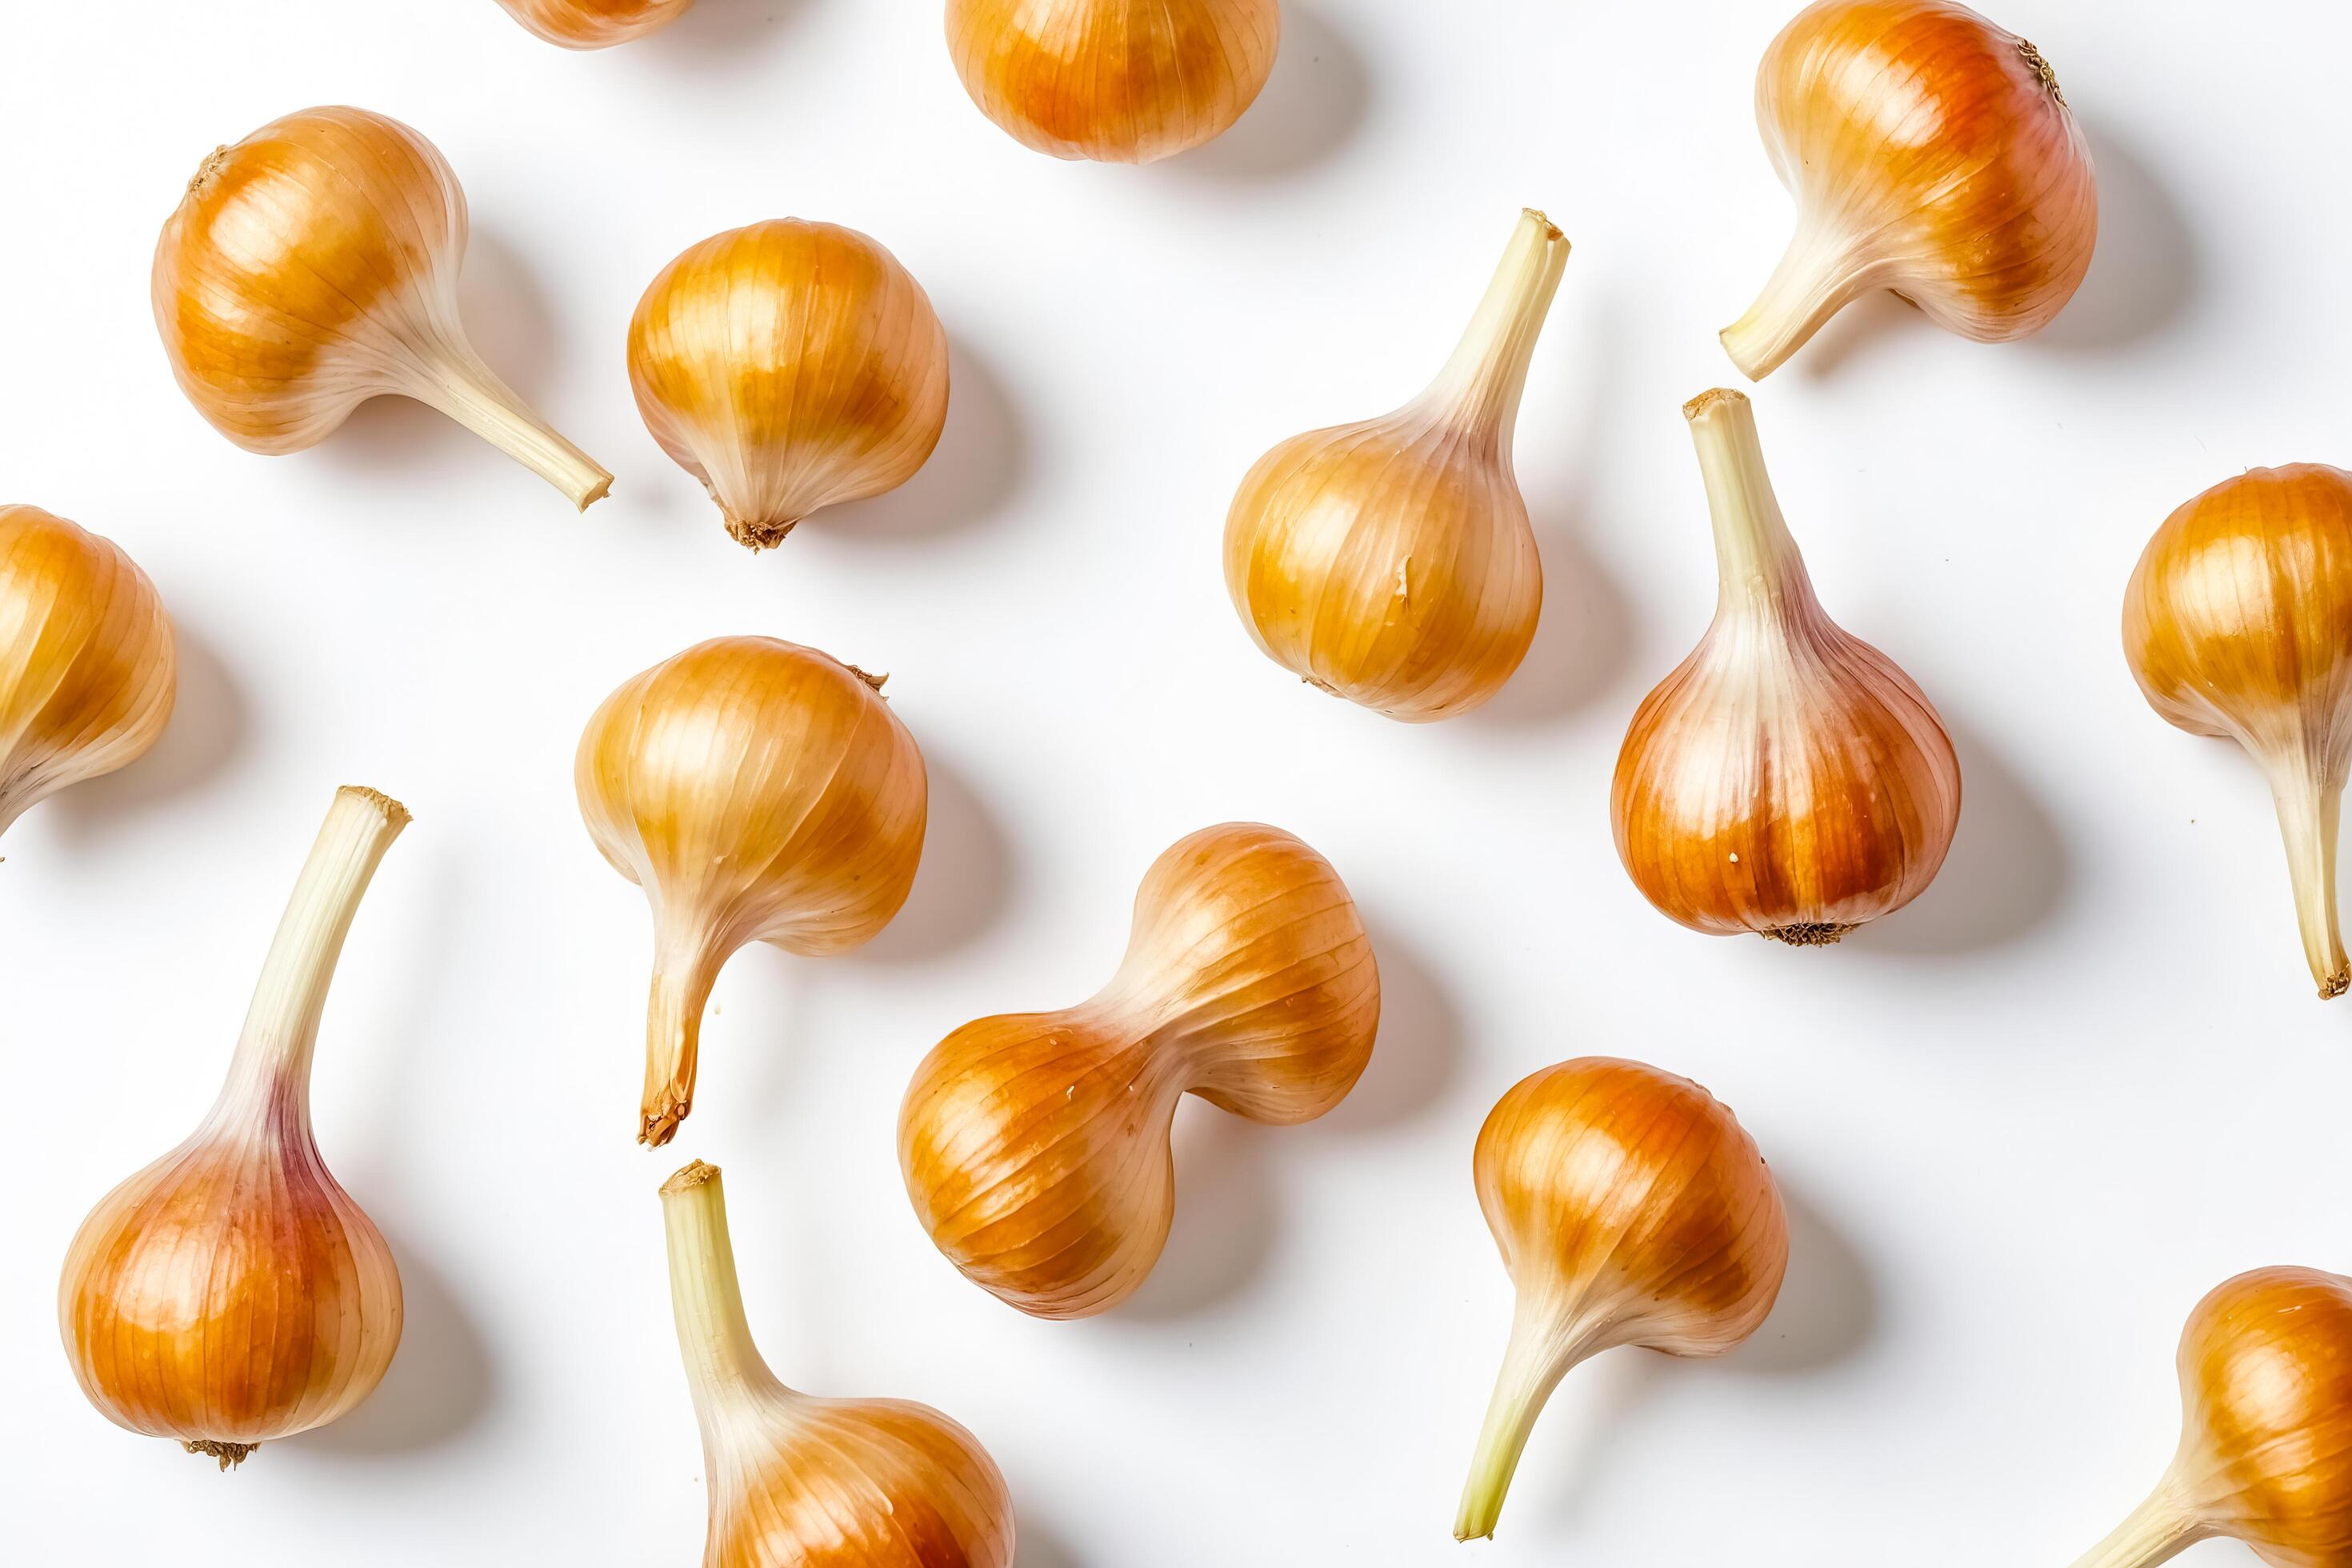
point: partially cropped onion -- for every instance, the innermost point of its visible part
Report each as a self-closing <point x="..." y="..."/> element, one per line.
<point x="594" y="23"/>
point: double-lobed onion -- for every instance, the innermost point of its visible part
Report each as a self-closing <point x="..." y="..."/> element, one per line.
<point x="1036" y="1146"/>
<point x="757" y="791"/>
<point x="232" y="1293"/>
<point x="1119" y="81"/>
<point x="802" y="1482"/>
<point x="88" y="667"/>
<point x="1390" y="562"/>
<point x="594" y="23"/>
<point x="1787" y="778"/>
<point x="789" y="366"/>
<point x="1930" y="154"/>
<point x="2238" y="624"/>
<point x="314" y="266"/>
<point x="2265" y="1453"/>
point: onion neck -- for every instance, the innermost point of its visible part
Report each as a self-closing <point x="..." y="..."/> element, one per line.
<point x="685" y="969"/>
<point x="2309" y="803"/>
<point x="454" y="379"/>
<point x="1818" y="277"/>
<point x="1479" y="388"/>
<point x="1757" y="562"/>
<point x="724" y="1369"/>
<point x="1543" y="1348"/>
<point x="270" y="1073"/>
<point x="2157" y="1531"/>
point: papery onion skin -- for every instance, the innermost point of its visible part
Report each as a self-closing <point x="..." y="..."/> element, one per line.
<point x="89" y="665"/>
<point x="1119" y="81"/>
<point x="232" y="1293"/>
<point x="594" y="23"/>
<point x="1630" y="1208"/>
<point x="1787" y="779"/>
<point x="1392" y="562"/>
<point x="2238" y="624"/>
<point x="800" y="1482"/>
<point x="1929" y="153"/>
<point x="1036" y="1146"/>
<point x="790" y="366"/>
<point x="2265" y="1454"/>
<point x="757" y="791"/>
<point x="314" y="266"/>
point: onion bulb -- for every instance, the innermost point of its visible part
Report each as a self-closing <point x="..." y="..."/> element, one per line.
<point x="1390" y="562"/>
<point x="757" y="790"/>
<point x="797" y="1482"/>
<point x="1036" y="1145"/>
<point x="790" y="366"/>
<point x="231" y="1293"/>
<point x="1930" y="154"/>
<point x="1120" y="81"/>
<point x="2265" y="1453"/>
<point x="594" y="23"/>
<point x="314" y="266"/>
<point x="1787" y="779"/>
<point x="1632" y="1209"/>
<point x="2238" y="623"/>
<point x="88" y="665"/>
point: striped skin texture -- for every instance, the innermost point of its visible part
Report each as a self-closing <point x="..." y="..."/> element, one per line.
<point x="800" y="1482"/>
<point x="594" y="23"/>
<point x="757" y="791"/>
<point x="2265" y="1454"/>
<point x="88" y="667"/>
<point x="1036" y="1146"/>
<point x="790" y="366"/>
<point x="1630" y="1208"/>
<point x="1929" y="153"/>
<point x="314" y="266"/>
<point x="2238" y="623"/>
<point x="1392" y="562"/>
<point x="1787" y="779"/>
<point x="1119" y="81"/>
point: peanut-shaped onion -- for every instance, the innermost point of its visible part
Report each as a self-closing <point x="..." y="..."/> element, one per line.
<point x="1036" y="1145"/>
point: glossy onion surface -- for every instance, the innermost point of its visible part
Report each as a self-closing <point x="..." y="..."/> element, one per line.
<point x="594" y="23"/>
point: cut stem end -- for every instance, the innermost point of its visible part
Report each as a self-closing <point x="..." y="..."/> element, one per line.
<point x="1820" y="933"/>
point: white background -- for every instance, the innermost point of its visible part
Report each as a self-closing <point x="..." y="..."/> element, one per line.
<point x="2024" y="1125"/>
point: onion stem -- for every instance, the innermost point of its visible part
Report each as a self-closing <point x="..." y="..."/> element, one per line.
<point x="722" y="1363"/>
<point x="1538" y="1356"/>
<point x="681" y="990"/>
<point x="2156" y="1533"/>
<point x="2309" y="807"/>
<point x="460" y="385"/>
<point x="1482" y="383"/>
<point x="1756" y="559"/>
<point x="1817" y="278"/>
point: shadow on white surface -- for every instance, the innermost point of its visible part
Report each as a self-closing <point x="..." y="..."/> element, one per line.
<point x="2144" y="275"/>
<point x="1419" y="1048"/>
<point x="2008" y="871"/>
<point x="443" y="1378"/>
<point x="208" y="724"/>
<point x="1319" y="94"/>
<point x="963" y="884"/>
<point x="973" y="475"/>
<point x="1038" y="1548"/>
<point x="1828" y="1309"/>
<point x="1225" y="1215"/>
<point x="722" y="33"/>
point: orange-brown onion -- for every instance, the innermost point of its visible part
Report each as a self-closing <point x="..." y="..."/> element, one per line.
<point x="1631" y="1209"/>
<point x="1787" y="779"/>
<point x="232" y="1293"/>
<point x="1390" y="562"/>
<point x="314" y="266"/>
<point x="790" y="366"/>
<point x="2238" y="623"/>
<point x="757" y="791"/>
<point x="1930" y="154"/>
<point x="88" y="667"/>
<point x="802" y="1482"/>
<point x="594" y="23"/>
<point x="1036" y="1145"/>
<point x="1120" y="81"/>
<point x="2265" y="1454"/>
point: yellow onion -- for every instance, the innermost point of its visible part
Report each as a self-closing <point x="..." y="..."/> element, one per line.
<point x="1120" y="82"/>
<point x="88" y="665"/>
<point x="790" y="366"/>
<point x="757" y="790"/>
<point x="231" y="1293"/>
<point x="314" y="266"/>
<point x="594" y="23"/>
<point x="1036" y="1145"/>
<point x="1930" y="154"/>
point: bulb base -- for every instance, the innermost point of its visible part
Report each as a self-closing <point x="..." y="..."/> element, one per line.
<point x="1810" y="933"/>
<point x="230" y="1455"/>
